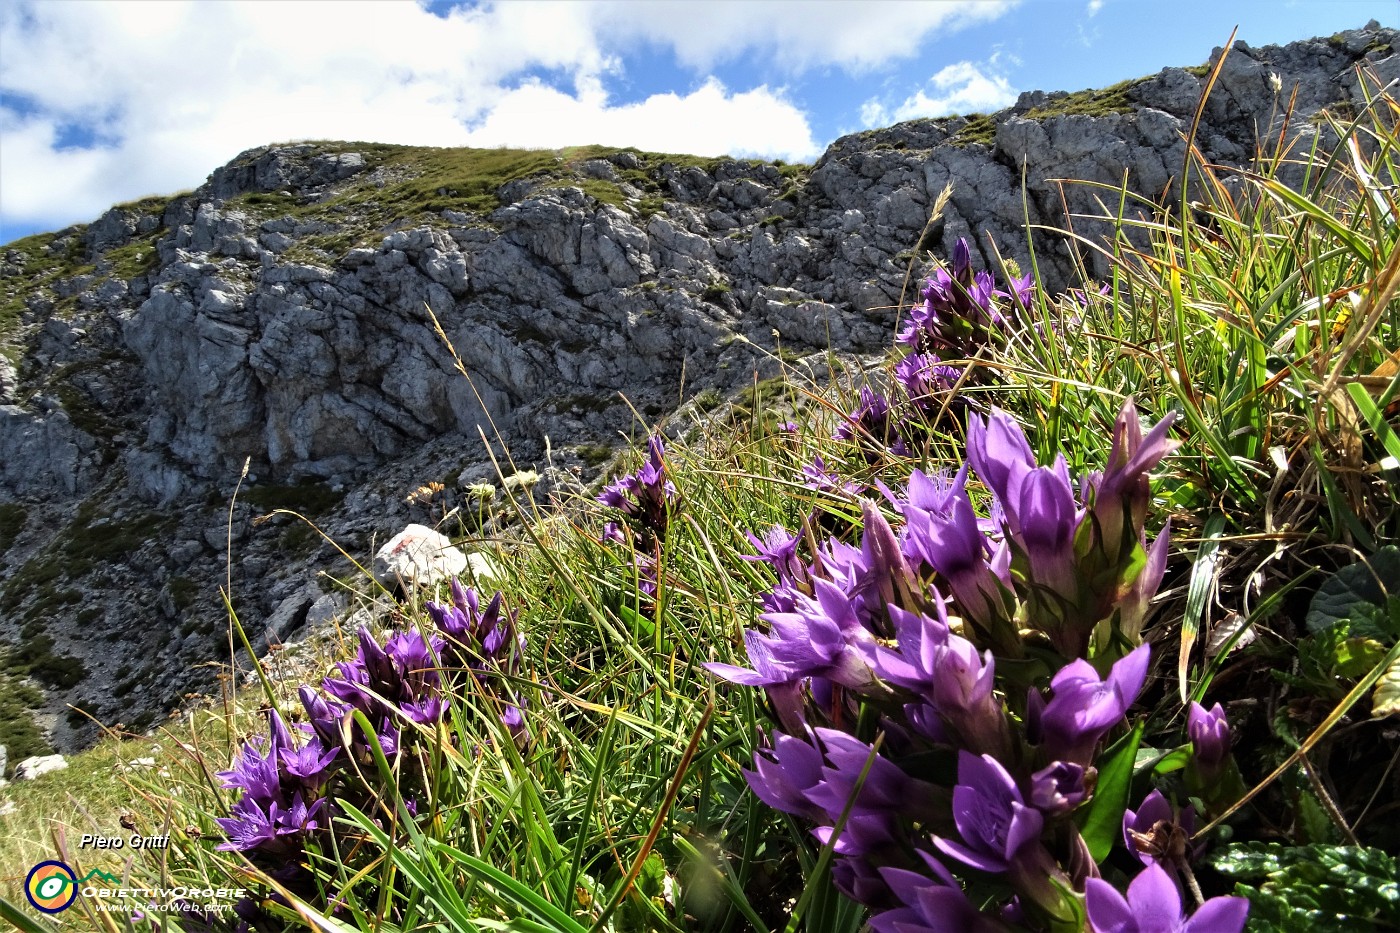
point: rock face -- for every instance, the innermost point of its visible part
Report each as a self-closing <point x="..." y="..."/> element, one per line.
<point x="301" y="317"/>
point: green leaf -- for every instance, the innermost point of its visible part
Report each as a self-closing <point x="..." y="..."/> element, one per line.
<point x="22" y="922"/>
<point x="1375" y="418"/>
<point x="1161" y="761"/>
<point x="1356" y="656"/>
<point x="1316" y="888"/>
<point x="1197" y="591"/>
<point x="1102" y="820"/>
<point x="1341" y="597"/>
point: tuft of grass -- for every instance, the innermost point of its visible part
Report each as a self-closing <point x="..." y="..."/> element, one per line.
<point x="12" y="519"/>
<point x="309" y="497"/>
<point x="1100" y="102"/>
<point x="979" y="130"/>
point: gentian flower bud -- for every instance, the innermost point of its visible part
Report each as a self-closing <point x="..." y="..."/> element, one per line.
<point x="998" y="450"/>
<point x="1121" y="493"/>
<point x="1211" y="774"/>
<point x="1210" y="735"/>
<point x="1058" y="787"/>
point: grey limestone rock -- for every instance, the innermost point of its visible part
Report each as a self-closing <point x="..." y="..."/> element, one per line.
<point x="43" y="454"/>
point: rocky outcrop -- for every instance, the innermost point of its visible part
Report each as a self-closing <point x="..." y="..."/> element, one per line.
<point x="301" y="318"/>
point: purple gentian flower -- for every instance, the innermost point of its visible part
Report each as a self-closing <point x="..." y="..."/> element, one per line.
<point x="954" y="546"/>
<point x="309" y="764"/>
<point x="1084" y="706"/>
<point x="872" y="420"/>
<point x="1022" y="290"/>
<point x="886" y="799"/>
<point x="995" y="824"/>
<point x="778" y="548"/>
<point x="815" y="640"/>
<point x="647" y="496"/>
<point x="934" y="493"/>
<point x="1153" y="905"/>
<point x="861" y="881"/>
<point x="249" y="827"/>
<point x="783" y="775"/>
<point x="323" y="716"/>
<point x="823" y="479"/>
<point x="918" y="636"/>
<point x="256" y="775"/>
<point x="295" y="818"/>
<point x="932" y="905"/>
<point x="924" y="377"/>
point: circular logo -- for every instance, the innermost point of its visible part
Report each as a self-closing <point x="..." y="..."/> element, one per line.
<point x="51" y="887"/>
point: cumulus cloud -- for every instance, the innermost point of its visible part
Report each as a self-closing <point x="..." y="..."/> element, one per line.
<point x="160" y="93"/>
<point x="707" y="121"/>
<point x="793" y="36"/>
<point x="959" y="88"/>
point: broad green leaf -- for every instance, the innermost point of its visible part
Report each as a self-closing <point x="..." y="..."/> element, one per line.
<point x="1102" y="820"/>
<point x="1317" y="888"/>
<point x="1339" y="598"/>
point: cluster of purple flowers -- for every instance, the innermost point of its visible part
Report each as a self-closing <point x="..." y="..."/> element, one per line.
<point x="960" y="307"/>
<point x="282" y="791"/>
<point x="1003" y="644"/>
<point x="647" y="499"/>
<point x="961" y="311"/>
<point x="288" y="785"/>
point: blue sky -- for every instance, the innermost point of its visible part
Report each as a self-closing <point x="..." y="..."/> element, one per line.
<point x="109" y="101"/>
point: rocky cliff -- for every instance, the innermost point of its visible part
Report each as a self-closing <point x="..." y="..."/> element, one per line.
<point x="278" y="316"/>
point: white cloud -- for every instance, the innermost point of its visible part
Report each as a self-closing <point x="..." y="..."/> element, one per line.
<point x="854" y="36"/>
<point x="959" y="88"/>
<point x="1095" y="6"/>
<point x="174" y="88"/>
<point x="707" y="121"/>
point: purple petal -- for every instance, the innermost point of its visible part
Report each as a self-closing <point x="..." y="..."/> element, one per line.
<point x="1155" y="901"/>
<point x="1219" y="915"/>
<point x="1108" y="910"/>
